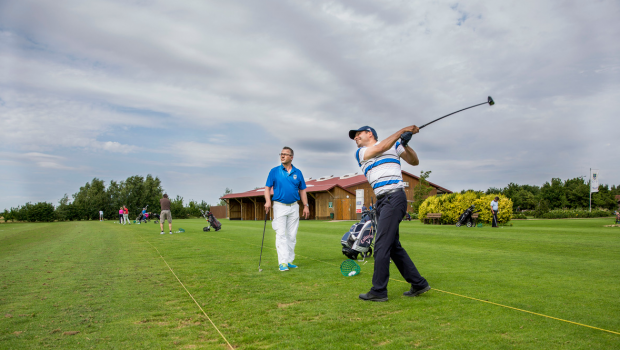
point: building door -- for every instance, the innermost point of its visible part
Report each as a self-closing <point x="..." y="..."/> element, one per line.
<point x="343" y="209"/>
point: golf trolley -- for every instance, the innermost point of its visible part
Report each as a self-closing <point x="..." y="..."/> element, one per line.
<point x="466" y="218"/>
<point x="154" y="216"/>
<point x="359" y="239"/>
<point x="211" y="220"/>
<point x="141" y="217"/>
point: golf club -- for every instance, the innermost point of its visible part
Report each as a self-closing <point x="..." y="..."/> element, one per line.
<point x="261" y="244"/>
<point x="489" y="101"/>
<point x="406" y="136"/>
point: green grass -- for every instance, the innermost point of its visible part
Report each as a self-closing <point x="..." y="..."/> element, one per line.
<point x="109" y="283"/>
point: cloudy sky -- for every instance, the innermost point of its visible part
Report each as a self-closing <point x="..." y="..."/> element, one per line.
<point x="204" y="94"/>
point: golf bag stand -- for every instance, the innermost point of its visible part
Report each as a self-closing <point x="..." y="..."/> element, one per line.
<point x="359" y="239"/>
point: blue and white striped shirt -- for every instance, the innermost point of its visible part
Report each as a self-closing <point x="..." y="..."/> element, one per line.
<point x="383" y="171"/>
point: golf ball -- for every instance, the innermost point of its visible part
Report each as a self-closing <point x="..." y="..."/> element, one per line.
<point x="352" y="273"/>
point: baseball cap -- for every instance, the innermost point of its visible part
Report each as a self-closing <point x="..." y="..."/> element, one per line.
<point x="363" y="128"/>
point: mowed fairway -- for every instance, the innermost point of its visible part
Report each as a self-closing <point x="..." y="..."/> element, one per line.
<point x="109" y="283"/>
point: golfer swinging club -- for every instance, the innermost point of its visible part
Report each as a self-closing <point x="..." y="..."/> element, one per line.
<point x="288" y="186"/>
<point x="380" y="162"/>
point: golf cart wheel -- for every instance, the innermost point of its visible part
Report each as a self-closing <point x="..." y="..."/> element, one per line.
<point x="469" y="224"/>
<point x="458" y="224"/>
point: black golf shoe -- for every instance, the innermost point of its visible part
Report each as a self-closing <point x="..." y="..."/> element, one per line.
<point x="415" y="292"/>
<point x="371" y="297"/>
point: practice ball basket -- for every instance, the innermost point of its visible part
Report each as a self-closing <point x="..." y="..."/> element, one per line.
<point x="349" y="268"/>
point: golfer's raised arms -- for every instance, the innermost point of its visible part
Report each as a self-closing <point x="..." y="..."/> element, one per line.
<point x="373" y="148"/>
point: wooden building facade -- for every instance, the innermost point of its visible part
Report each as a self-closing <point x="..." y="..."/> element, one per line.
<point x="328" y="198"/>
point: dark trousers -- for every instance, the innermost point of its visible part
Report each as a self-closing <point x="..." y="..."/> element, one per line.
<point x="494" y="223"/>
<point x="390" y="211"/>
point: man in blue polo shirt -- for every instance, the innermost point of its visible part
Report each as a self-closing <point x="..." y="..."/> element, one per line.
<point x="288" y="187"/>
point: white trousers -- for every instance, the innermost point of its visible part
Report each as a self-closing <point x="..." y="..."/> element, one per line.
<point x="285" y="223"/>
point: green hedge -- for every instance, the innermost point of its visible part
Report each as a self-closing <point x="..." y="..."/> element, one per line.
<point x="573" y="213"/>
<point x="39" y="212"/>
<point x="452" y="205"/>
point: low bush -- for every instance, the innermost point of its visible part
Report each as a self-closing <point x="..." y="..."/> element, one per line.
<point x="573" y="213"/>
<point x="519" y="216"/>
<point x="452" y="205"/>
<point x="41" y="212"/>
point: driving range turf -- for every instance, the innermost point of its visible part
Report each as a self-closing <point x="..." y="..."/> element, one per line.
<point x="100" y="285"/>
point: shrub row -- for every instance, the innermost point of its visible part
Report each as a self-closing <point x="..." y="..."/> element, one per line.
<point x="42" y="212"/>
<point x="452" y="205"/>
<point x="573" y="213"/>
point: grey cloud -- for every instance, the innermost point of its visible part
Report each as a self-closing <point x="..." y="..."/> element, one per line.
<point x="303" y="73"/>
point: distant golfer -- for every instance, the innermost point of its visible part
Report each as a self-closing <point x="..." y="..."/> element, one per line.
<point x="121" y="212"/>
<point x="494" y="210"/>
<point x="165" y="213"/>
<point x="288" y="187"/>
<point x="380" y="161"/>
<point x="100" y="215"/>
<point x="126" y="215"/>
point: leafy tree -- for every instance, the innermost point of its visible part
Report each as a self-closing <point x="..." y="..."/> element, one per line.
<point x="152" y="193"/>
<point x="604" y="198"/>
<point x="227" y="191"/>
<point x="66" y="210"/>
<point x="176" y="208"/>
<point x="131" y="192"/>
<point x="193" y="208"/>
<point x="470" y="190"/>
<point x="494" y="190"/>
<point x="90" y="199"/>
<point x="523" y="200"/>
<point x="554" y="194"/>
<point x="421" y="191"/>
<point x="577" y="193"/>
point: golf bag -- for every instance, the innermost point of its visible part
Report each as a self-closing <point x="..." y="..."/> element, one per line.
<point x="359" y="239"/>
<point x="466" y="217"/>
<point x="141" y="217"/>
<point x="213" y="222"/>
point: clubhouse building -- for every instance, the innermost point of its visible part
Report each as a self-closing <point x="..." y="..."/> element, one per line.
<point x="329" y="197"/>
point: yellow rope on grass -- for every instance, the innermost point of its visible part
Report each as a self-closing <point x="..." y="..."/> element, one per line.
<point x="514" y="308"/>
<point x="191" y="296"/>
<point x="464" y="296"/>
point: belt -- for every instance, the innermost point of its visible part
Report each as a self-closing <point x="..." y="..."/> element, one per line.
<point x="384" y="194"/>
<point x="285" y="203"/>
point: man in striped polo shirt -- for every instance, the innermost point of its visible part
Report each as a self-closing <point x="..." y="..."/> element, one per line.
<point x="380" y="162"/>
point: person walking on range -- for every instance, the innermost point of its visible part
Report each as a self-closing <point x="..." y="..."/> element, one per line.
<point x="380" y="162"/>
<point x="494" y="210"/>
<point x="100" y="215"/>
<point x="165" y="213"/>
<point x="288" y="187"/>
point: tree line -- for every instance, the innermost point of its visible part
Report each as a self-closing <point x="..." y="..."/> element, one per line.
<point x="557" y="194"/>
<point x="136" y="192"/>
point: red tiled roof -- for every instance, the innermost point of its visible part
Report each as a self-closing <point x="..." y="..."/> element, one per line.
<point x="320" y="185"/>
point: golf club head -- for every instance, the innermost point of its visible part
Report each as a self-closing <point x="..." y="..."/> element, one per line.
<point x="260" y="270"/>
<point x="490" y="100"/>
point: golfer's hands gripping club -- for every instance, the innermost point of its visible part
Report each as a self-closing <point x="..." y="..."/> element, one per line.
<point x="267" y="207"/>
<point x="405" y="137"/>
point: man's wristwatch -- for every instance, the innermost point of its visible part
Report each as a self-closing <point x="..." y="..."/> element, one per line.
<point x="307" y="205"/>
